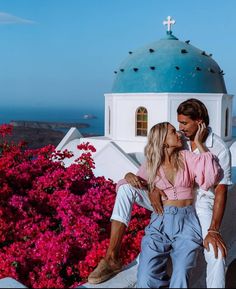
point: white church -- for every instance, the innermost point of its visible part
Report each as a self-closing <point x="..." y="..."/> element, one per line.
<point x="148" y="87"/>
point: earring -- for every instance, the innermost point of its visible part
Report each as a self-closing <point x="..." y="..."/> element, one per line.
<point x="165" y="145"/>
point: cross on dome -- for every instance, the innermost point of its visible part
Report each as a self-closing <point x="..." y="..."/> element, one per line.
<point x="169" y="22"/>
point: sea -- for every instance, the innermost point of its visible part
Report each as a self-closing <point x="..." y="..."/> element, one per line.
<point x="94" y="118"/>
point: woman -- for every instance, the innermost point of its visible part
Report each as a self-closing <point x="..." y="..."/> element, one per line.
<point x="176" y="232"/>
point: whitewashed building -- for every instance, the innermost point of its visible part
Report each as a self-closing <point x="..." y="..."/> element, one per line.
<point x="148" y="87"/>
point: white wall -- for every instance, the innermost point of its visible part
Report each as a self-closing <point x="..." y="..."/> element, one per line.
<point x="113" y="163"/>
<point x="124" y="107"/>
<point x="162" y="107"/>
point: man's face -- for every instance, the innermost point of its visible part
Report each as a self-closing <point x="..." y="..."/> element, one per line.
<point x="188" y="126"/>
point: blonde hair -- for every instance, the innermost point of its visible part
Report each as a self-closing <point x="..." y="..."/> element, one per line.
<point x="154" y="152"/>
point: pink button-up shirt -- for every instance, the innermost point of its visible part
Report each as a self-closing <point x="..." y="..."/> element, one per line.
<point x="202" y="169"/>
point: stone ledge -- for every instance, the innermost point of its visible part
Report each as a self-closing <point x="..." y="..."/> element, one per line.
<point x="125" y="279"/>
<point x="9" y="282"/>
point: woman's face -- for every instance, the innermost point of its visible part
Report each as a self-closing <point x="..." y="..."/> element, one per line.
<point x="173" y="138"/>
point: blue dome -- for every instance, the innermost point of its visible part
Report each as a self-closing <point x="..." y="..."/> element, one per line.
<point x="169" y="65"/>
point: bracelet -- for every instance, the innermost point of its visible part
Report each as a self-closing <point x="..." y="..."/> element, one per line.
<point x="213" y="231"/>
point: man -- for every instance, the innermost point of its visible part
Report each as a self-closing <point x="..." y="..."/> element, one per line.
<point x="209" y="205"/>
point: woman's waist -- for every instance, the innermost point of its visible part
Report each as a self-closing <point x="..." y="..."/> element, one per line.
<point x="174" y="210"/>
<point x="178" y="203"/>
<point x="178" y="193"/>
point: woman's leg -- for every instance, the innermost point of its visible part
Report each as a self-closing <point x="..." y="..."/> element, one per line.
<point x="187" y="243"/>
<point x="125" y="199"/>
<point x="117" y="233"/>
<point x="155" y="250"/>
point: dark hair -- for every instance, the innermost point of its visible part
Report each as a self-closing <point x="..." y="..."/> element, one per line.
<point x="194" y="109"/>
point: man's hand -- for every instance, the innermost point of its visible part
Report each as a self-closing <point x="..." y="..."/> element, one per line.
<point x="217" y="243"/>
<point x="156" y="201"/>
<point x="135" y="181"/>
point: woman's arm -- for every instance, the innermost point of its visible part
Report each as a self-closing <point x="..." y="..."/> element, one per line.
<point x="155" y="197"/>
<point x="135" y="181"/>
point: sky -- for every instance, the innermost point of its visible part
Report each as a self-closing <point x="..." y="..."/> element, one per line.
<point x="63" y="53"/>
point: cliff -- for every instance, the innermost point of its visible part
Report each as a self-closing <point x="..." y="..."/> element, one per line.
<point x="47" y="125"/>
<point x="38" y="134"/>
<point x="35" y="137"/>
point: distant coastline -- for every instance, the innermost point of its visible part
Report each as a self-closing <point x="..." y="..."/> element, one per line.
<point x="37" y="134"/>
<point x="78" y="117"/>
<point x="47" y="125"/>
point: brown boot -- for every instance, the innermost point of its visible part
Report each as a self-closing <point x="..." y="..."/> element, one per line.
<point x="104" y="271"/>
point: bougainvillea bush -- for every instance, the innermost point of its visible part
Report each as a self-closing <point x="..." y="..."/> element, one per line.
<point x="55" y="220"/>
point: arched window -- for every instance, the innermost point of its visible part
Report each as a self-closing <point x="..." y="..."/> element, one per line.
<point x="141" y="121"/>
<point x="109" y="120"/>
<point x="226" y="122"/>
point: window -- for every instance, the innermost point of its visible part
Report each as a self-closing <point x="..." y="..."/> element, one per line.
<point x="109" y="120"/>
<point x="226" y="122"/>
<point x="141" y="121"/>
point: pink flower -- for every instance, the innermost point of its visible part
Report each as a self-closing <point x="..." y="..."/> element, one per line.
<point x="55" y="220"/>
<point x="5" y="129"/>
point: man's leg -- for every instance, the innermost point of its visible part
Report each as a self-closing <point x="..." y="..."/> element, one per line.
<point x="215" y="275"/>
<point x="215" y="272"/>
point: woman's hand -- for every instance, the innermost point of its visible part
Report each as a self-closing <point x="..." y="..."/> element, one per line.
<point x="200" y="137"/>
<point x="155" y="197"/>
<point x="135" y="181"/>
<point x="201" y="133"/>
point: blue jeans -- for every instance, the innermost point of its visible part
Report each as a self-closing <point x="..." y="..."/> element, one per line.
<point x="176" y="233"/>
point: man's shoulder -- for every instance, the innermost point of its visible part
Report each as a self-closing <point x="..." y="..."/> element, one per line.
<point x="218" y="145"/>
<point x="217" y="140"/>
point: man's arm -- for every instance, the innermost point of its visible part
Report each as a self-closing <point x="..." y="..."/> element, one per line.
<point x="224" y="157"/>
<point x="213" y="237"/>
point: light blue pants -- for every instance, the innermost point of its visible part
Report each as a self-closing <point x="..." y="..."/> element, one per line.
<point x="176" y="233"/>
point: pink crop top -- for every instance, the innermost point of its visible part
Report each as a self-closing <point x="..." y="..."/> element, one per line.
<point x="202" y="169"/>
